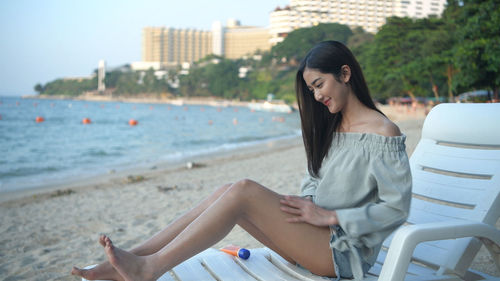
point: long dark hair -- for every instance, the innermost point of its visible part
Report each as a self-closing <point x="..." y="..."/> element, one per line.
<point x="318" y="124"/>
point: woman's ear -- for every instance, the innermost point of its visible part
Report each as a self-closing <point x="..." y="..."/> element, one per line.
<point x="346" y="73"/>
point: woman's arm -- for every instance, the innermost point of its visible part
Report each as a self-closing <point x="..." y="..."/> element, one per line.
<point x="308" y="185"/>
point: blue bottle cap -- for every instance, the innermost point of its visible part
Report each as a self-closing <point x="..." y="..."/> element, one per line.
<point x="244" y="253"/>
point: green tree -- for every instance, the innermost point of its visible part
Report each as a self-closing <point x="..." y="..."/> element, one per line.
<point x="150" y="83"/>
<point x="407" y="57"/>
<point x="432" y="57"/>
<point x="385" y="57"/>
<point x="212" y="79"/>
<point x="39" y="88"/>
<point x="298" y="42"/>
<point x="70" y="87"/>
<point x="128" y="84"/>
<point x="222" y="78"/>
<point x="359" y="39"/>
<point x="285" y="84"/>
<point x="262" y="83"/>
<point x="477" y="53"/>
<point x="111" y="78"/>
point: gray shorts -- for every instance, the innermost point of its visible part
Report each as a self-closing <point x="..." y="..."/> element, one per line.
<point x="341" y="259"/>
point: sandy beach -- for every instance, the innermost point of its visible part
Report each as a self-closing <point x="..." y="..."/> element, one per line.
<point x="43" y="234"/>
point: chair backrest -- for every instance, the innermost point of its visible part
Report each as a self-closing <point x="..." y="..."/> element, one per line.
<point x="456" y="176"/>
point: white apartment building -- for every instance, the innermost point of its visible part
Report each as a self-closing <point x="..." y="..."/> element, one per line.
<point x="420" y="8"/>
<point x="368" y="14"/>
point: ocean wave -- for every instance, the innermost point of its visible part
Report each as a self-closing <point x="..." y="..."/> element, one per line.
<point x="100" y="153"/>
<point x="235" y="144"/>
<point x="28" y="171"/>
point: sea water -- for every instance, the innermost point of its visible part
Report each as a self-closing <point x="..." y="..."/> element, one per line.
<point x="63" y="148"/>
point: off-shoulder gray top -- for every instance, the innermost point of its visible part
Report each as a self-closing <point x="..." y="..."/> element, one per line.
<point x="366" y="179"/>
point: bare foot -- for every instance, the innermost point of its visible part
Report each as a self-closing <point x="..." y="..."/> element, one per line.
<point x="103" y="271"/>
<point x="102" y="237"/>
<point x="129" y="266"/>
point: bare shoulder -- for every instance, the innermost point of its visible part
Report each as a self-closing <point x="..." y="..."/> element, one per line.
<point x="381" y="125"/>
<point x="386" y="127"/>
<point x="376" y="123"/>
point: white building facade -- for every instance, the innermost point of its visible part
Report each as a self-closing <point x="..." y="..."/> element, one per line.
<point x="368" y="14"/>
<point x="217" y="38"/>
<point x="101" y="75"/>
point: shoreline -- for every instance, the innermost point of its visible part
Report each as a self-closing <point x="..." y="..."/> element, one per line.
<point x="154" y="169"/>
<point x="207" y="101"/>
<point x="150" y="170"/>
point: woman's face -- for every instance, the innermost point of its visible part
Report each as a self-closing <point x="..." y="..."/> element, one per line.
<point x="327" y="90"/>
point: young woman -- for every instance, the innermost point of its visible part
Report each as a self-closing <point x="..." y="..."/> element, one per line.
<point x="356" y="192"/>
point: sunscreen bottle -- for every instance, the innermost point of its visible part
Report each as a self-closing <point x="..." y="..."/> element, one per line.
<point x="236" y="251"/>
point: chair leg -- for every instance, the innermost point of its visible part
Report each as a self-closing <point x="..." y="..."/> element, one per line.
<point x="494" y="250"/>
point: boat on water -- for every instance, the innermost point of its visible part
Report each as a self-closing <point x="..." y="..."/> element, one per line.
<point x="271" y="105"/>
<point x="178" y="102"/>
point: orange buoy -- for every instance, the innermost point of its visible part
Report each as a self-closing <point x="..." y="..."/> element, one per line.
<point x="210" y="122"/>
<point x="86" y="121"/>
<point x="132" y="122"/>
<point x="39" y="119"/>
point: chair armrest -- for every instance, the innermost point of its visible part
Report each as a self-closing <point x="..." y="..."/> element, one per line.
<point x="406" y="239"/>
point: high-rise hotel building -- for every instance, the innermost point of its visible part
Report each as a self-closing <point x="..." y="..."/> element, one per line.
<point x="164" y="47"/>
<point x="368" y="14"/>
<point x="171" y="47"/>
<point x="240" y="41"/>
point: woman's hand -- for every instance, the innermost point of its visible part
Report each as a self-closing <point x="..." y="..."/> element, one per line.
<point x="304" y="210"/>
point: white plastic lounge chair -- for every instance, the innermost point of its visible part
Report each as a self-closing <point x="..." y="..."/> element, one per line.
<point x="456" y="203"/>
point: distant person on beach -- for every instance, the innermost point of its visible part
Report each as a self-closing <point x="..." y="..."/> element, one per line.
<point x="356" y="192"/>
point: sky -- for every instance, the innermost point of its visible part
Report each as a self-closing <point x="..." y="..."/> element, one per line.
<point x="43" y="40"/>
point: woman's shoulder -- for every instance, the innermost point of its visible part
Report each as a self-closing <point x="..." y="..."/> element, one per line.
<point x="387" y="128"/>
<point x="380" y="125"/>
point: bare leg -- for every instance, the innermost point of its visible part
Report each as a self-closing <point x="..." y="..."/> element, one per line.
<point x="106" y="271"/>
<point x="162" y="238"/>
<point x="246" y="203"/>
